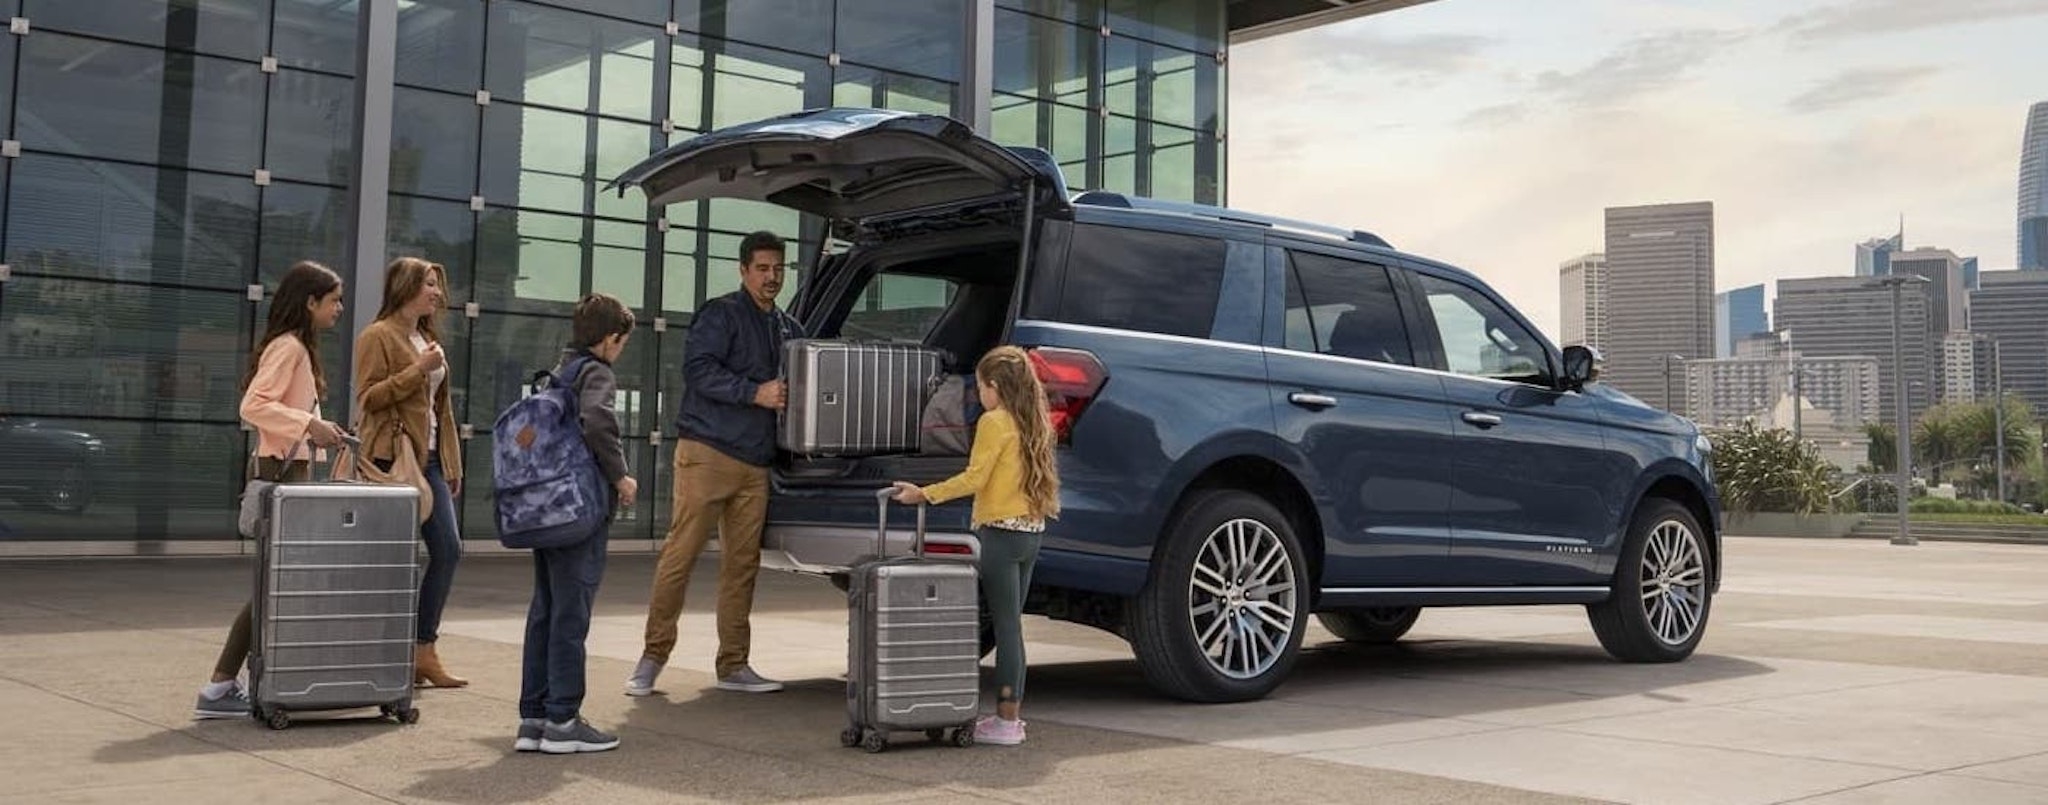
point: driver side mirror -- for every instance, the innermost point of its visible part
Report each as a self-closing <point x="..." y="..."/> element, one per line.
<point x="1581" y="367"/>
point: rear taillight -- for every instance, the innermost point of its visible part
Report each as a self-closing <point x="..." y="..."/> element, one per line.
<point x="1072" y="378"/>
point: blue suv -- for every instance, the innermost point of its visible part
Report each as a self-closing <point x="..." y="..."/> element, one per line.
<point x="1259" y="419"/>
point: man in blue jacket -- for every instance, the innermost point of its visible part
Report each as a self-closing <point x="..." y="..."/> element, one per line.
<point x="732" y="389"/>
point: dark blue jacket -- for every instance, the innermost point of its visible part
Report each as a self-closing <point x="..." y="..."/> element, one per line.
<point x="734" y="346"/>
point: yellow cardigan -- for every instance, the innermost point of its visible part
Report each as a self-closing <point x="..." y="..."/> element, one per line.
<point x="994" y="475"/>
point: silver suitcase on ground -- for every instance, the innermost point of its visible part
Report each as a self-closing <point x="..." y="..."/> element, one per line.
<point x="854" y="398"/>
<point x="913" y="645"/>
<point x="336" y="600"/>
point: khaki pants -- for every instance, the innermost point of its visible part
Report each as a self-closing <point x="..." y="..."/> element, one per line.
<point x="712" y="490"/>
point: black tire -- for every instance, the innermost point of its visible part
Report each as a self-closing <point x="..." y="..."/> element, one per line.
<point x="1373" y="626"/>
<point x="1663" y="588"/>
<point x="963" y="737"/>
<point x="874" y="742"/>
<point x="1168" y="625"/>
<point x="278" y="720"/>
<point x="849" y="737"/>
<point x="409" y="716"/>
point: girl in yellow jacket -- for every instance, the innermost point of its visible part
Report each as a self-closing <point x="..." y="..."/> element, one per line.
<point x="1016" y="488"/>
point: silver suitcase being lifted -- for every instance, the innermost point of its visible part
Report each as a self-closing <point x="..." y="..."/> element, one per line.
<point x="336" y="600"/>
<point x="913" y="645"/>
<point x="854" y="398"/>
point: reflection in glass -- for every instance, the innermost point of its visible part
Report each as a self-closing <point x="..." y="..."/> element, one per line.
<point x="78" y="96"/>
<point x="1045" y="59"/>
<point x="1062" y="130"/>
<point x="529" y="261"/>
<point x="312" y="120"/>
<point x="102" y="220"/>
<point x="220" y="27"/>
<point x="861" y="86"/>
<point x="121" y="351"/>
<point x="441" y="231"/>
<point x="433" y="144"/>
<point x="804" y="26"/>
<point x="750" y="84"/>
<point x="534" y="157"/>
<point x="1196" y="26"/>
<point x="906" y="36"/>
<point x="302" y="222"/>
<point x="93" y="479"/>
<point x="316" y="34"/>
<point x="441" y="44"/>
<point x="618" y="264"/>
<point x="541" y="55"/>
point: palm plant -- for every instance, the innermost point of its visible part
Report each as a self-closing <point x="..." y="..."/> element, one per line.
<point x="1767" y="470"/>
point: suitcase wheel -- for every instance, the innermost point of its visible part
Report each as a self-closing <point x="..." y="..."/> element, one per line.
<point x="278" y="720"/>
<point x="963" y="737"/>
<point x="403" y="714"/>
<point x="874" y="741"/>
<point x="849" y="737"/>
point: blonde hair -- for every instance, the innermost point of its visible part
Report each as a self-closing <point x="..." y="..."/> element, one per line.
<point x="1009" y="371"/>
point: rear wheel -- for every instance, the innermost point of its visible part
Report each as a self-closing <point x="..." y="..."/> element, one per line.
<point x="1663" y="588"/>
<point x="1370" y="625"/>
<point x="1222" y="616"/>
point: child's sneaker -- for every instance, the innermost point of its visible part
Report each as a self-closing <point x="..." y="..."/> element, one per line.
<point x="999" y="731"/>
<point x="575" y="736"/>
<point x="530" y="730"/>
<point x="222" y="700"/>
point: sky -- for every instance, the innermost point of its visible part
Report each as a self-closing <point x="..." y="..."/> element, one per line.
<point x="1492" y="134"/>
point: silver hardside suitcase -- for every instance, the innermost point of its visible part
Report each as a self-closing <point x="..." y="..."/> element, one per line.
<point x="336" y="600"/>
<point x="855" y="398"/>
<point x="913" y="645"/>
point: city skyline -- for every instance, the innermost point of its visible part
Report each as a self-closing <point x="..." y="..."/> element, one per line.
<point x="1813" y="126"/>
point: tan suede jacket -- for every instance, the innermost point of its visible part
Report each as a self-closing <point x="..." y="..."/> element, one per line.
<point x="392" y="396"/>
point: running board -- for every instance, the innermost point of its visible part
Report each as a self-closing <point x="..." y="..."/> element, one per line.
<point x="1352" y="597"/>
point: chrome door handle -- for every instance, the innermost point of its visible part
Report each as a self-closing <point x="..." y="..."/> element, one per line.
<point x="1482" y="419"/>
<point x="1308" y="400"/>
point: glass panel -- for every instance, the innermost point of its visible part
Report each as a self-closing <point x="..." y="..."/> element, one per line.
<point x="804" y="26"/>
<point x="920" y="37"/>
<point x="441" y="231"/>
<point x="679" y="272"/>
<point x="744" y="217"/>
<point x="635" y="399"/>
<point x="529" y="261"/>
<point x="7" y="82"/>
<point x="1346" y="309"/>
<point x="1086" y="12"/>
<point x="317" y="34"/>
<point x="618" y="262"/>
<point x="652" y="12"/>
<point x="92" y="98"/>
<point x="686" y="107"/>
<point x="668" y="383"/>
<point x="1194" y="25"/>
<point x="1174" y="79"/>
<point x="221" y="27"/>
<point x="535" y="157"/>
<point x="1172" y="163"/>
<point x="1045" y="59"/>
<point x="433" y="144"/>
<point x="505" y="350"/>
<point x="1481" y="339"/>
<point x="750" y="84"/>
<point x="110" y="479"/>
<point x="312" y="121"/>
<point x="100" y="220"/>
<point x="302" y="222"/>
<point x="1063" y="130"/>
<point x="120" y="350"/>
<point x="1113" y="281"/>
<point x="441" y="44"/>
<point x="638" y="521"/>
<point x="898" y="308"/>
<point x="621" y="145"/>
<point x="860" y="86"/>
<point x="1119" y="159"/>
<point x="545" y="56"/>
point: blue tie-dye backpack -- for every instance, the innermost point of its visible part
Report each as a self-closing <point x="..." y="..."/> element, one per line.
<point x="548" y="490"/>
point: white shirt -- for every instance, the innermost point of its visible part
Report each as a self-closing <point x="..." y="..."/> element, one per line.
<point x="434" y="381"/>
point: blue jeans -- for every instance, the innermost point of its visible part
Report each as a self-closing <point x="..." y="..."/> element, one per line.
<point x="444" y="550"/>
<point x="564" y="586"/>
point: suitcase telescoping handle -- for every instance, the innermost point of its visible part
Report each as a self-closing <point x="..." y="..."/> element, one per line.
<point x="882" y="498"/>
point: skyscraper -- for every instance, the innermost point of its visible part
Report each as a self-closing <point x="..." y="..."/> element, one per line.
<point x="1831" y="317"/>
<point x="1582" y="300"/>
<point x="1873" y="256"/>
<point x="1944" y="273"/>
<point x="1738" y="314"/>
<point x="2033" y="217"/>
<point x="1660" y="300"/>
<point x="1965" y="367"/>
<point x="2011" y="307"/>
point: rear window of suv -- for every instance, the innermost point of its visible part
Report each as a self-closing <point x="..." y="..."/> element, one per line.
<point x="1136" y="279"/>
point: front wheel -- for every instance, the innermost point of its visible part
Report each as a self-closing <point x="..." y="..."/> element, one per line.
<point x="1663" y="588"/>
<point x="1222" y="617"/>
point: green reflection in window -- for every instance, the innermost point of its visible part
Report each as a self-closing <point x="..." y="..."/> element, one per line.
<point x="738" y="215"/>
<point x="862" y="86"/>
<point x="1173" y="173"/>
<point x="679" y="273"/>
<point x="619" y="146"/>
<point x="744" y="90"/>
<point x="686" y="87"/>
<point x="550" y="258"/>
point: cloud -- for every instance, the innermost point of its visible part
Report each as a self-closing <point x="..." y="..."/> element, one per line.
<point x="1641" y="67"/>
<point x="1855" y="86"/>
<point x="1496" y="116"/>
<point x="1869" y="17"/>
<point x="1357" y="50"/>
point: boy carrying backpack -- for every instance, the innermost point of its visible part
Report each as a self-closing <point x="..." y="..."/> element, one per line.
<point x="561" y="474"/>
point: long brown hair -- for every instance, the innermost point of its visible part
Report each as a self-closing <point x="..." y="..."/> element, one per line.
<point x="1009" y="370"/>
<point x="305" y="282"/>
<point x="403" y="280"/>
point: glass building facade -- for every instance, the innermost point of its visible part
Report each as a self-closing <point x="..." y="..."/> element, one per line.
<point x="166" y="160"/>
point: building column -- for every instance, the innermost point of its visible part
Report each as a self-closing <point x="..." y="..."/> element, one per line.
<point x="978" y="65"/>
<point x="370" y="179"/>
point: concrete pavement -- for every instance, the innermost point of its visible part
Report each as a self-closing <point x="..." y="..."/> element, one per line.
<point x="1834" y="671"/>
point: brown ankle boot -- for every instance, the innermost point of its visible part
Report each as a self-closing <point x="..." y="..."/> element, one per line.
<point x="427" y="669"/>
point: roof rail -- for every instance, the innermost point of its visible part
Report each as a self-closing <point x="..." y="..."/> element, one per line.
<point x="1105" y="198"/>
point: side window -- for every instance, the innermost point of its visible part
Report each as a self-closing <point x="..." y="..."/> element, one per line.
<point x="1158" y="282"/>
<point x="1346" y="309"/>
<point x="898" y="307"/>
<point x="1481" y="339"/>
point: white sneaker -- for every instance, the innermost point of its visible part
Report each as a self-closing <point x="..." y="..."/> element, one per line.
<point x="745" y="680"/>
<point x="641" y="683"/>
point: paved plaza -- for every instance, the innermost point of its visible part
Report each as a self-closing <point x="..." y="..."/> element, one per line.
<point x="1834" y="671"/>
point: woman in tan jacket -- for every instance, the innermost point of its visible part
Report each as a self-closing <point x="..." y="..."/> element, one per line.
<point x="402" y="388"/>
<point x="281" y="401"/>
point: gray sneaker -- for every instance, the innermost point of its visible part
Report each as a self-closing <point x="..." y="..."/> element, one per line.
<point x="641" y="683"/>
<point x="745" y="680"/>
<point x="575" y="736"/>
<point x="234" y="703"/>
<point x="530" y="730"/>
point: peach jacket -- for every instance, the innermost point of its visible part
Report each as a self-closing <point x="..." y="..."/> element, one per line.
<point x="282" y="399"/>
